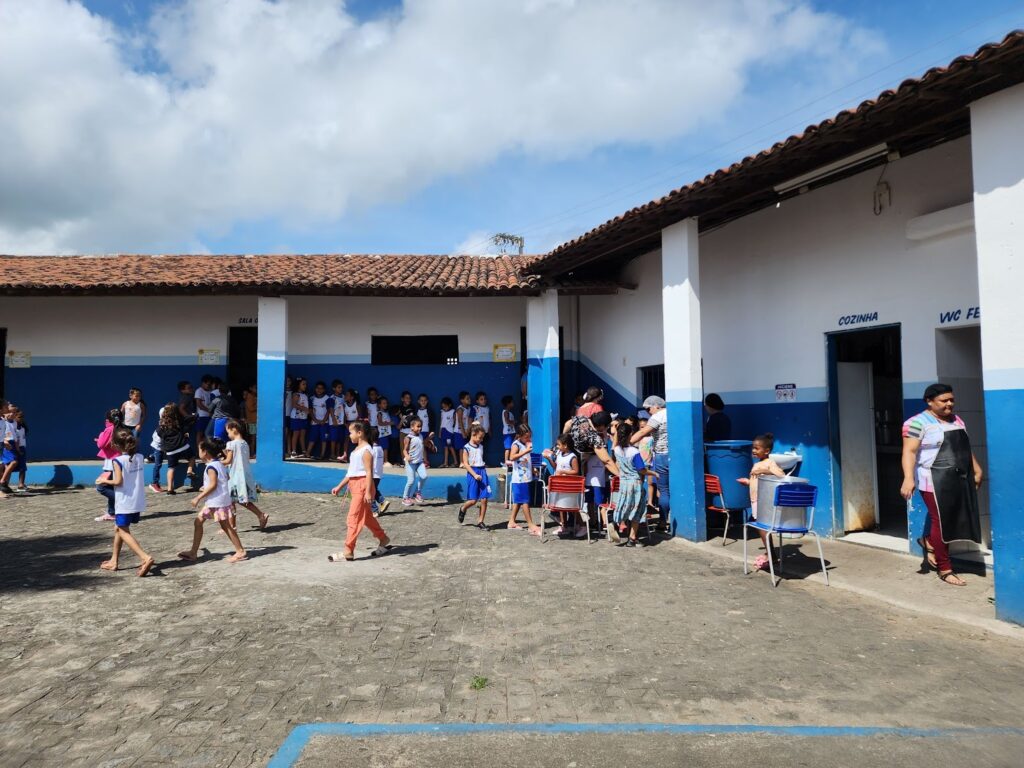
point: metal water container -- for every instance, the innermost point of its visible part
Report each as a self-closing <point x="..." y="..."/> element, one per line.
<point x="789" y="517"/>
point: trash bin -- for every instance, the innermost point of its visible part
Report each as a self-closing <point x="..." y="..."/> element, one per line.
<point x="730" y="460"/>
<point x="789" y="517"/>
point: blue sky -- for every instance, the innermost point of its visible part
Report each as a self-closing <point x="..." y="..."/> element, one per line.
<point x="544" y="188"/>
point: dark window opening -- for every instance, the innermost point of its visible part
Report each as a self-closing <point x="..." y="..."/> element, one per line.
<point x="652" y="381"/>
<point x="414" y="350"/>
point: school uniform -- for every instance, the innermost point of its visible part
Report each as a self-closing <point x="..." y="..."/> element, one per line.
<point x="337" y="431"/>
<point x="9" y="437"/>
<point x="522" y="475"/>
<point x="596" y="481"/>
<point x="319" y="433"/>
<point x="463" y="421"/>
<point x="371" y="413"/>
<point x="378" y="473"/>
<point x="130" y="495"/>
<point x="476" y="489"/>
<point x="203" y="410"/>
<point x="298" y="415"/>
<point x="447" y="427"/>
<point x="21" y="440"/>
<point x="508" y="428"/>
<point x="384" y="430"/>
<point x="217" y="505"/>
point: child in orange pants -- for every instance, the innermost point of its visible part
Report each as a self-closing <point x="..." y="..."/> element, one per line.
<point x="359" y="480"/>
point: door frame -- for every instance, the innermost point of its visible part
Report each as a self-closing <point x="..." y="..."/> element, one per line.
<point x="832" y="401"/>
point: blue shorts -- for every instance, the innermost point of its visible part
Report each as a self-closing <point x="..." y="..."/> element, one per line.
<point x="318" y="433"/>
<point x="124" y="521"/>
<point x="520" y="493"/>
<point x="458" y="441"/>
<point x="478" y="489"/>
<point x="508" y="440"/>
<point x="8" y="456"/>
<point x="220" y="428"/>
<point x="297" y="425"/>
<point x="202" y="423"/>
<point x="596" y="496"/>
<point x="447" y="438"/>
<point x="384" y="442"/>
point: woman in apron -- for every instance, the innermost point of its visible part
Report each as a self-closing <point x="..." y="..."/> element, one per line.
<point x="939" y="463"/>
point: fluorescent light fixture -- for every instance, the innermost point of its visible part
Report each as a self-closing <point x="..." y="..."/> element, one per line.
<point x="833" y="168"/>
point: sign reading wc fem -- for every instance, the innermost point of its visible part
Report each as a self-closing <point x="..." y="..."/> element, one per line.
<point x="867" y="317"/>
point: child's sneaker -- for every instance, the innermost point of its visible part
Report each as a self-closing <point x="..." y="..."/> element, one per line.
<point x="155" y="488"/>
<point x="407" y="502"/>
<point x="384" y="506"/>
<point x="581" y="532"/>
<point x="103" y="518"/>
<point x="419" y="498"/>
<point x="22" y="489"/>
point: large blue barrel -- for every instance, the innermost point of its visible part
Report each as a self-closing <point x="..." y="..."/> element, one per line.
<point x="729" y="460"/>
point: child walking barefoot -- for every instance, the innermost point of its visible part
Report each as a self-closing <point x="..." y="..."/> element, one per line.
<point x="522" y="475"/>
<point x="478" y="486"/>
<point x="217" y="495"/>
<point x="128" y="479"/>
<point x="359" y="480"/>
<point x="240" y="479"/>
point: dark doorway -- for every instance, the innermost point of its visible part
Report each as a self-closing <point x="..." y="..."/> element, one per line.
<point x="3" y="358"/>
<point x="242" y="345"/>
<point x="651" y="381"/>
<point x="866" y="415"/>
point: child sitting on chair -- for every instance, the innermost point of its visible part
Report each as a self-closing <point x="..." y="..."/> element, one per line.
<point x="763" y="465"/>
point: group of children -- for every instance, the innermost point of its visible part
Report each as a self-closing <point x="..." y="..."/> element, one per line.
<point x="13" y="447"/>
<point x="316" y="423"/>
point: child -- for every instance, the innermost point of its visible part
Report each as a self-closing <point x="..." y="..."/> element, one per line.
<point x="287" y="412"/>
<point x="384" y="428"/>
<point x="629" y="506"/>
<point x="134" y="411"/>
<point x="646" y="447"/>
<point x="21" y="435"/>
<point x="508" y="424"/>
<point x="522" y="477"/>
<point x="175" y="445"/>
<point x="463" y="422"/>
<point x="478" y="485"/>
<point x="240" y="479"/>
<point x="251" y="412"/>
<point x="763" y="465"/>
<point x="128" y="480"/>
<point x="158" y="447"/>
<point x="594" y="470"/>
<point x="406" y="410"/>
<point x="107" y="451"/>
<point x="423" y="413"/>
<point x="352" y="412"/>
<point x="299" y="417"/>
<point x="380" y="504"/>
<point x="319" y="416"/>
<point x="372" y="399"/>
<point x="481" y="413"/>
<point x="217" y="495"/>
<point x="448" y="432"/>
<point x="336" y="406"/>
<point x="566" y="462"/>
<point x="9" y="450"/>
<point x="359" y="479"/>
<point x="415" y="469"/>
<point x="203" y="395"/>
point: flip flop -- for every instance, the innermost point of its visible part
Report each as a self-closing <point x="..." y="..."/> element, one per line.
<point x="146" y="567"/>
<point x="264" y="521"/>
<point x="187" y="556"/>
<point x="382" y="550"/>
<point x="337" y="557"/>
<point x="106" y="566"/>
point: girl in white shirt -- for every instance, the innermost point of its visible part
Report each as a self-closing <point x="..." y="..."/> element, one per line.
<point x="216" y="494"/>
<point x="128" y="478"/>
<point x="359" y="480"/>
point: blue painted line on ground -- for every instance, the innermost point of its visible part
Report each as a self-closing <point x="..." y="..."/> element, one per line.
<point x="291" y="749"/>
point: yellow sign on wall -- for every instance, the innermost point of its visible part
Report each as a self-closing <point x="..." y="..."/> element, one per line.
<point x="19" y="359"/>
<point x="504" y="353"/>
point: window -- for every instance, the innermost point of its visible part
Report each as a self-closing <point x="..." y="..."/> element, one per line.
<point x="652" y="381"/>
<point x="414" y="350"/>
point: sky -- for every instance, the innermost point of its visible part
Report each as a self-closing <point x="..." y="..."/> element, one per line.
<point x="416" y="126"/>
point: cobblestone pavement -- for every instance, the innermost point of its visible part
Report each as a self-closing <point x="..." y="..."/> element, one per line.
<point x="213" y="663"/>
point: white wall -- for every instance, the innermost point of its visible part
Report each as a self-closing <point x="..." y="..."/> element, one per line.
<point x="774" y="282"/>
<point x="75" y="329"/>
<point x="343" y="325"/>
<point x="621" y="333"/>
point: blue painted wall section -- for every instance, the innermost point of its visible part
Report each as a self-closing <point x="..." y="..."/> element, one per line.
<point x="1004" y="410"/>
<point x="686" y="470"/>
<point x="542" y="393"/>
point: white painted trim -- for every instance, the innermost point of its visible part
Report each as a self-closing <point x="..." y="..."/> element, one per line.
<point x="944" y="222"/>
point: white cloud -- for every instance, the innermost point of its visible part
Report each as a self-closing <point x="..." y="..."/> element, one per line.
<point x="295" y="109"/>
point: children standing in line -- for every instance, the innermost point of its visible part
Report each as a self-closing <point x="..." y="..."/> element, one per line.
<point x="508" y="424"/>
<point x="415" y="469"/>
<point x="299" y="416"/>
<point x="629" y="506"/>
<point x="478" y="485"/>
<point x="359" y="479"/>
<point x="240" y="479"/>
<point x="448" y="430"/>
<point x="463" y="422"/>
<point x="216" y="494"/>
<point x="522" y="478"/>
<point x="128" y="480"/>
<point x="380" y="504"/>
<point x="337" y="418"/>
<point x="134" y="411"/>
<point x="384" y="428"/>
<point x="319" y="417"/>
<point x="763" y="465"/>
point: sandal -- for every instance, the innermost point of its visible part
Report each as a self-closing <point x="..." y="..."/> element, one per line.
<point x="381" y="550"/>
<point x="950" y="577"/>
<point x="929" y="553"/>
<point x="337" y="557"/>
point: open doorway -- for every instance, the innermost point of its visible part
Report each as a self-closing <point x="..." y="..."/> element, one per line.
<point x="866" y="411"/>
<point x="242" y="346"/>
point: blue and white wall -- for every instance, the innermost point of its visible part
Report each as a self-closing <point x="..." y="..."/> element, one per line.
<point x="87" y="351"/>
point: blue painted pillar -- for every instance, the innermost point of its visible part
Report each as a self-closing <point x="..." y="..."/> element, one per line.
<point x="542" y="356"/>
<point x="998" y="167"/>
<point x="680" y="306"/>
<point x="271" y="358"/>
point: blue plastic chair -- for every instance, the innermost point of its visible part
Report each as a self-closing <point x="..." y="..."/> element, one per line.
<point x="539" y="466"/>
<point x="786" y="519"/>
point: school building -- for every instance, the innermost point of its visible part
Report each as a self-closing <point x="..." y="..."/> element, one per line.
<point x="818" y="286"/>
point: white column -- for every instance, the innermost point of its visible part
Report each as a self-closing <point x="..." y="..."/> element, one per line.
<point x="542" y="358"/>
<point x="680" y="306"/>
<point x="998" y="163"/>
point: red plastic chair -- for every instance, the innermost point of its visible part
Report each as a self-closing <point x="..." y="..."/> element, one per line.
<point x="603" y="510"/>
<point x="565" y="494"/>
<point x="713" y="488"/>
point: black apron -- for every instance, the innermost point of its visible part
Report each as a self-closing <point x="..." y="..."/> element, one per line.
<point x="955" y="494"/>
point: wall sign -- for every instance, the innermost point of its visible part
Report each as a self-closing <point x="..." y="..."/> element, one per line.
<point x="956" y="315"/>
<point x="209" y="357"/>
<point x="248" y="321"/>
<point x="19" y="359"/>
<point x="504" y="353"/>
<point x="785" y="393"/>
<point x="866" y="317"/>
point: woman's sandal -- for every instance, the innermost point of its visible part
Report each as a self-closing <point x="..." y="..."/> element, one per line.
<point x="382" y="550"/>
<point x="949" y="577"/>
<point x="337" y="557"/>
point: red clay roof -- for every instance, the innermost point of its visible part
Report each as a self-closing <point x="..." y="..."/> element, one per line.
<point x="314" y="274"/>
<point x="920" y="113"/>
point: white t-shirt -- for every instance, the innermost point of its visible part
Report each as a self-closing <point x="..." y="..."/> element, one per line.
<point x="351" y="411"/>
<point x="522" y="470"/>
<point x="474" y="455"/>
<point x="203" y="398"/>
<point x="424" y="414"/>
<point x="21" y="437"/>
<point x="221" y="496"/>
<point x="319" y="403"/>
<point x="508" y="423"/>
<point x="597" y="476"/>
<point x="483" y="415"/>
<point x="448" y="420"/>
<point x="355" y="466"/>
<point x="130" y="495"/>
<point x="338" y="408"/>
<point x="384" y="424"/>
<point x="132" y="413"/>
<point x="8" y="433"/>
<point x="378" y="462"/>
<point x="563" y="461"/>
<point x="371" y="412"/>
<point x="303" y="403"/>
